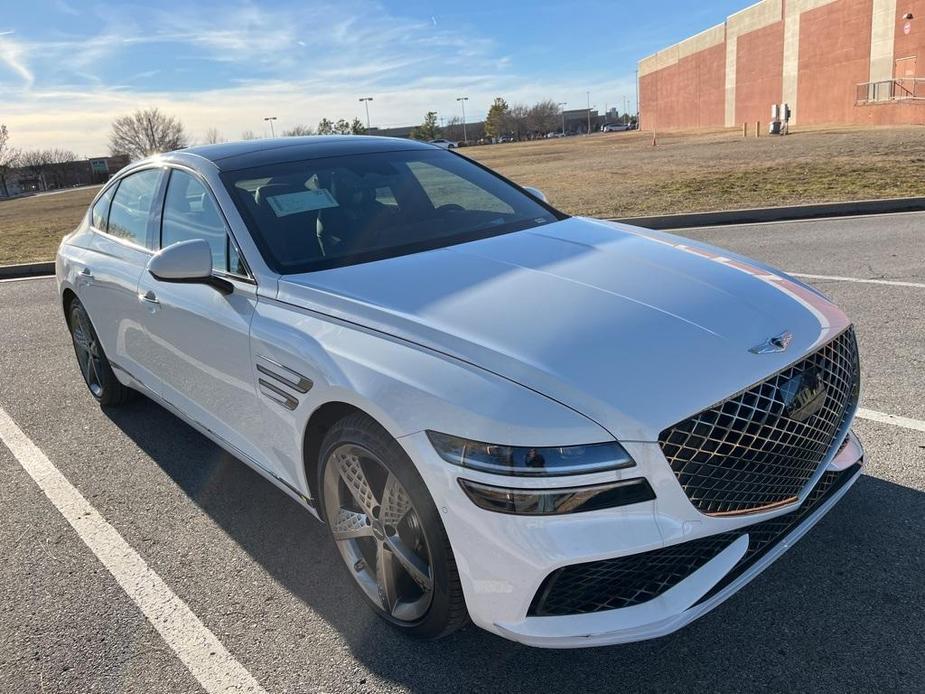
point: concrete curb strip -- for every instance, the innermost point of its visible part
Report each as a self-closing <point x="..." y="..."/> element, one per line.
<point x="671" y="221"/>
<point x="778" y="214"/>
<point x="8" y="272"/>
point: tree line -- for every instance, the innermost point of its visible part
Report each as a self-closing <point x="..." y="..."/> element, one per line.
<point x="46" y="165"/>
<point x="150" y="131"/>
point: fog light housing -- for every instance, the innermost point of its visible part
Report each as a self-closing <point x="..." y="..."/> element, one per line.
<point x="556" y="502"/>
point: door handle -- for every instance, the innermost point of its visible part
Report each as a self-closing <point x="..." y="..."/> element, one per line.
<point x="149" y="297"/>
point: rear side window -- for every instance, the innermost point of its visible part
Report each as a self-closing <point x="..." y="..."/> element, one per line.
<point x="100" y="215"/>
<point x="132" y="206"/>
<point x="190" y="212"/>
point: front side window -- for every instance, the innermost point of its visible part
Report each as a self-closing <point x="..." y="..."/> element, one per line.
<point x="335" y="211"/>
<point x="132" y="206"/>
<point x="190" y="212"/>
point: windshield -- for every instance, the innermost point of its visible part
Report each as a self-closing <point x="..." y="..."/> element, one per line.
<point x="335" y="211"/>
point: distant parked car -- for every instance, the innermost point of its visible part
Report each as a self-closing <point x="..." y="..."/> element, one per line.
<point x="615" y="127"/>
<point x="505" y="138"/>
<point x="554" y="135"/>
<point x="445" y="144"/>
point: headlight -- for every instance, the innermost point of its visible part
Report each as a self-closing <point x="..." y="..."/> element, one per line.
<point x="523" y="461"/>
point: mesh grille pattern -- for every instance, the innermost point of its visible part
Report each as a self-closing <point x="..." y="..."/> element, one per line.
<point x="750" y="451"/>
<point x="763" y="536"/>
<point x="626" y="581"/>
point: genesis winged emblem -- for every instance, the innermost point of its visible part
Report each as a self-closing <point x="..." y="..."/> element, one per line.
<point x="778" y="343"/>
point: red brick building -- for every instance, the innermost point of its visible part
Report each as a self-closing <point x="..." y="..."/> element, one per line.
<point x="832" y="61"/>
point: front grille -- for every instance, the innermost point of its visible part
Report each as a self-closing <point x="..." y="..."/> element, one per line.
<point x="750" y="452"/>
<point x="625" y="581"/>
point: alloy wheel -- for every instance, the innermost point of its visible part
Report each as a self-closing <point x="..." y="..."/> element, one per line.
<point x="86" y="346"/>
<point x="378" y="532"/>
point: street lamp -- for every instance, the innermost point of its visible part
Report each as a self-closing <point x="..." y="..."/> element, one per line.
<point x="271" y="119"/>
<point x="365" y="100"/>
<point x="562" y="111"/>
<point x="462" y="101"/>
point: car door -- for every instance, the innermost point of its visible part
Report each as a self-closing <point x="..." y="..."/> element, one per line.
<point x="198" y="338"/>
<point x="123" y="220"/>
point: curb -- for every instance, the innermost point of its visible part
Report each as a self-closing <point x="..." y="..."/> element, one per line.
<point x="777" y="214"/>
<point x="9" y="272"/>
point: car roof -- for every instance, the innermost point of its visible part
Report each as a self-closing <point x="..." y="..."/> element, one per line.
<point x="230" y="156"/>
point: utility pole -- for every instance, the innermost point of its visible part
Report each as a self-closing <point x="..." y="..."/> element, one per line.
<point x="462" y="101"/>
<point x="366" y="100"/>
<point x="562" y="111"/>
<point x="271" y="119"/>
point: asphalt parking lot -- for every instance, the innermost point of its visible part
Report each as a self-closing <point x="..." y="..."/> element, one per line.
<point x="842" y="611"/>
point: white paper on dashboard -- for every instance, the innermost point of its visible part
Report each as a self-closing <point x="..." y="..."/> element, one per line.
<point x="303" y="201"/>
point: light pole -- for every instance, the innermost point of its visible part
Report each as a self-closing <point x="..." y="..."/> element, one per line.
<point x="462" y="101"/>
<point x="366" y="100"/>
<point x="637" y="98"/>
<point x="562" y="111"/>
<point x="588" y="94"/>
<point x="271" y="119"/>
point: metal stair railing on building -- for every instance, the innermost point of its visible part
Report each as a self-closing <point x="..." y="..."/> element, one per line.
<point x="884" y="91"/>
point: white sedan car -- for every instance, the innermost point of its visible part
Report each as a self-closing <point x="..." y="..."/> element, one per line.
<point x="445" y="144"/>
<point x="570" y="432"/>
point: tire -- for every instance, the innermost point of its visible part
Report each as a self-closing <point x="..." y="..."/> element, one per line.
<point x="94" y="366"/>
<point x="358" y="443"/>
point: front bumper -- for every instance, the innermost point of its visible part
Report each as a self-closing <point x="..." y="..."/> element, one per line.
<point x="503" y="560"/>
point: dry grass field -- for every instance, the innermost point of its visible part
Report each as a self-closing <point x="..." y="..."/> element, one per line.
<point x="623" y="175"/>
<point x="31" y="228"/>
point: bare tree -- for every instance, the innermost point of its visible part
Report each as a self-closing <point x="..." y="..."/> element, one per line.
<point x="515" y="122"/>
<point x="299" y="131"/>
<point x="8" y="158"/>
<point x="34" y="162"/>
<point x="248" y="135"/>
<point x="58" y="164"/>
<point x="543" y="117"/>
<point x="146" y="132"/>
<point x="213" y="136"/>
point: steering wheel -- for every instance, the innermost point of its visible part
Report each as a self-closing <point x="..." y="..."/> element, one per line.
<point x="451" y="207"/>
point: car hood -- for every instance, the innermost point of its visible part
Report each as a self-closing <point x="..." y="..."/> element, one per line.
<point x="633" y="328"/>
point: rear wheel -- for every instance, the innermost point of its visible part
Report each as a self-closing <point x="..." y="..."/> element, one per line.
<point x="94" y="366"/>
<point x="388" y="531"/>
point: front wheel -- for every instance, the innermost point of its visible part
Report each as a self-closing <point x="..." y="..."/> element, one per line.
<point x="388" y="531"/>
<point x="94" y="366"/>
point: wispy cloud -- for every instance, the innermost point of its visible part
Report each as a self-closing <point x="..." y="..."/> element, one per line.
<point x="12" y="55"/>
<point x="229" y="69"/>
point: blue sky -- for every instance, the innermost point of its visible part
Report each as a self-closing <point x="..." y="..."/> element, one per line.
<point x="67" y="67"/>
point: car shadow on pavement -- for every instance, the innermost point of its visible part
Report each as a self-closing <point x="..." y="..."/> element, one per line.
<point x="840" y="611"/>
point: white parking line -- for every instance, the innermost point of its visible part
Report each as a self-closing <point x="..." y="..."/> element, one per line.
<point x="196" y="646"/>
<point x="835" y="278"/>
<point x="895" y="420"/>
<point x="26" y="279"/>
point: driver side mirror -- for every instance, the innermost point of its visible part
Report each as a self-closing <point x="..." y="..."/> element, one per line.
<point x="187" y="262"/>
<point x="536" y="192"/>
